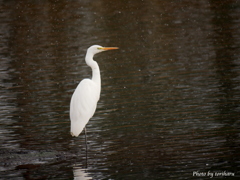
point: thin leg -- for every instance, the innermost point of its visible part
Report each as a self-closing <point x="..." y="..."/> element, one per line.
<point x="85" y="130"/>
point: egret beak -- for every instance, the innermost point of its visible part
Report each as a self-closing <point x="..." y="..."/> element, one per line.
<point x="109" y="48"/>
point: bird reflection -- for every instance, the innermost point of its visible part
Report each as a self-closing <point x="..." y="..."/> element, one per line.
<point x="80" y="173"/>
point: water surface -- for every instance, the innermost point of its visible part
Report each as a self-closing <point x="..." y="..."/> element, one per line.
<point x="169" y="106"/>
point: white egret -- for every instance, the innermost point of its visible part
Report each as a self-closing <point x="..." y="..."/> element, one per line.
<point x="85" y="97"/>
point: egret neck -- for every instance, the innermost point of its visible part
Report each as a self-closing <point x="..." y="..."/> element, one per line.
<point x="95" y="69"/>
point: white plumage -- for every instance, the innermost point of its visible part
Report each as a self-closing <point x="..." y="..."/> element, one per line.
<point x="85" y="97"/>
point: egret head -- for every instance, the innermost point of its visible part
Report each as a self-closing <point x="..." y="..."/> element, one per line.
<point x="97" y="49"/>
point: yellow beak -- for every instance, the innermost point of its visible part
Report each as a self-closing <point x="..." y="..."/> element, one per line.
<point x="109" y="48"/>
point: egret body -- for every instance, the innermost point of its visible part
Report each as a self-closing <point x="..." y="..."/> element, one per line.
<point x="85" y="97"/>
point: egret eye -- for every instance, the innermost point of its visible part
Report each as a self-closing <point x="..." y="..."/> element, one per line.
<point x="99" y="48"/>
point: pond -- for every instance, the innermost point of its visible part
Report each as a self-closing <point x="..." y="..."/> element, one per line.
<point x="169" y="106"/>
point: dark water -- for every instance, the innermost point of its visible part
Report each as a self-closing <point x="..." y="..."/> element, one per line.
<point x="170" y="101"/>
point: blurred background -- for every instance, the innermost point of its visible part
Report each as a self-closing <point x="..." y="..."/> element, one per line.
<point x="169" y="106"/>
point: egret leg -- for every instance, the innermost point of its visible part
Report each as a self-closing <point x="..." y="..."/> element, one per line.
<point x="85" y="130"/>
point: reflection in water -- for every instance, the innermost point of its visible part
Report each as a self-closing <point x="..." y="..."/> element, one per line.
<point x="80" y="174"/>
<point x="170" y="99"/>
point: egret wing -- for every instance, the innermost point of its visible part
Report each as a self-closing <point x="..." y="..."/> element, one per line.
<point x="83" y="105"/>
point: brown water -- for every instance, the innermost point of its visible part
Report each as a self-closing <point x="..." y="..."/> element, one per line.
<point x="170" y="101"/>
